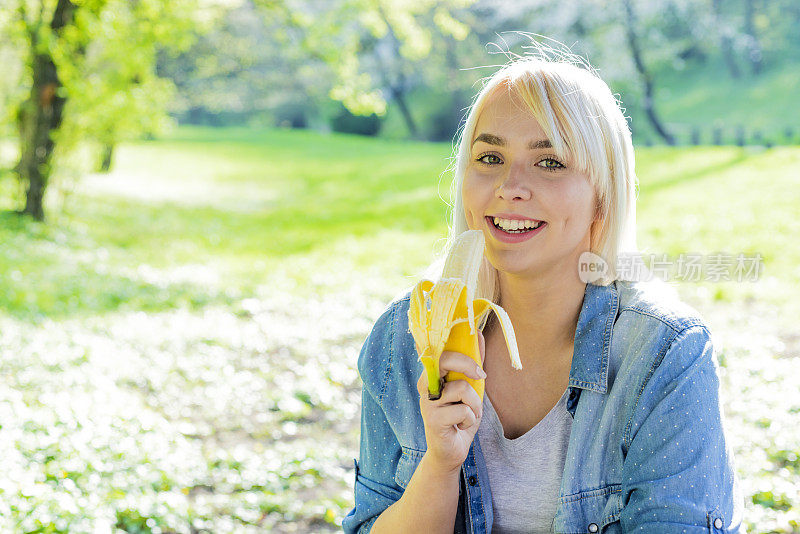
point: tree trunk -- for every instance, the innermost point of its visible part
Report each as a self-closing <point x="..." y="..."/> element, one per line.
<point x="397" y="86"/>
<point x="646" y="76"/>
<point x="726" y="43"/>
<point x="40" y="116"/>
<point x="398" y="95"/>
<point x="754" y="55"/>
<point x="106" y="157"/>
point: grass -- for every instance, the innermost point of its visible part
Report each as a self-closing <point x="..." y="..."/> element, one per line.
<point x="233" y="205"/>
<point x="725" y="199"/>
<point x="206" y="215"/>
<point x="707" y="96"/>
<point x="173" y="297"/>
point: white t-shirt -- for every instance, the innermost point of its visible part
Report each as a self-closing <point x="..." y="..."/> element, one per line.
<point x="525" y="473"/>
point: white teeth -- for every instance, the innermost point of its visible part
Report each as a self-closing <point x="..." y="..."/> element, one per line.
<point x="515" y="224"/>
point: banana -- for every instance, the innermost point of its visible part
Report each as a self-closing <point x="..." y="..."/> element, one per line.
<point x="442" y="315"/>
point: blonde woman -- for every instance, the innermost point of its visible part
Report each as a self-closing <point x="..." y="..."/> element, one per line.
<point x="614" y="422"/>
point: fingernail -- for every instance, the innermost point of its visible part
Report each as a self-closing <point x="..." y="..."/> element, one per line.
<point x="481" y="373"/>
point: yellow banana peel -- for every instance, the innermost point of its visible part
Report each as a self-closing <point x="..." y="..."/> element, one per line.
<point x="443" y="315"/>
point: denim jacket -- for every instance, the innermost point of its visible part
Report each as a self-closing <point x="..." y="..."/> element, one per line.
<point x="647" y="450"/>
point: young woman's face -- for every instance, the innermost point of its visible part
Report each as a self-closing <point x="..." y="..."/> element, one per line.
<point x="514" y="180"/>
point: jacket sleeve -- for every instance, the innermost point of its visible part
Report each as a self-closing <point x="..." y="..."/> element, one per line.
<point x="379" y="450"/>
<point x="678" y="475"/>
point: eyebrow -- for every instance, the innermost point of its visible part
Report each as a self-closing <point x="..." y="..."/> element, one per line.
<point x="499" y="141"/>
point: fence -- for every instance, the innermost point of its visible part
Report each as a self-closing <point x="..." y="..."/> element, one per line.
<point x="738" y="135"/>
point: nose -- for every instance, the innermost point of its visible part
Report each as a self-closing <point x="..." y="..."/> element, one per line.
<point x="514" y="185"/>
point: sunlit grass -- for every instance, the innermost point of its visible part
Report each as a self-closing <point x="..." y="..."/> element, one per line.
<point x="731" y="200"/>
<point x="210" y="294"/>
<point x="209" y="215"/>
<point x="230" y="210"/>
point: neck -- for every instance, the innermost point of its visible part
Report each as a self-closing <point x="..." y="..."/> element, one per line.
<point x="544" y="312"/>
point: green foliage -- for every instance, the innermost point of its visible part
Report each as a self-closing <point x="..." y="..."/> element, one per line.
<point x="439" y="114"/>
<point x="329" y="33"/>
<point x="244" y="71"/>
<point x="681" y="41"/>
<point x="346" y="122"/>
<point x="105" y="59"/>
<point x="115" y="93"/>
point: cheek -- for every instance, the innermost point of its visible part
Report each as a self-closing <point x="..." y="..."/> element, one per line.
<point x="472" y="199"/>
<point x="576" y="201"/>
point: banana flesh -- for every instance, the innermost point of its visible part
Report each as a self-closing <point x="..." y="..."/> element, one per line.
<point x="443" y="315"/>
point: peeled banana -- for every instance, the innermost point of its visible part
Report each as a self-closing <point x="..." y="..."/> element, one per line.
<point x="442" y="315"/>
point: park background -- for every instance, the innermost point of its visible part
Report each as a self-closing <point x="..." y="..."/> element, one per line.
<point x="205" y="205"/>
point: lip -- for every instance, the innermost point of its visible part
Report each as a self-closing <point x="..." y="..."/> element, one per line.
<point x="512" y="238"/>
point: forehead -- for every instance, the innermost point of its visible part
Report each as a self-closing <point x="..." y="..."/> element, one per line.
<point x="505" y="114"/>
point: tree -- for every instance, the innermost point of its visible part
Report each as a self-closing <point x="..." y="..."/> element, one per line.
<point x="41" y="114"/>
<point x="754" y="55"/>
<point x="726" y="38"/>
<point x="90" y="73"/>
<point x="645" y="74"/>
<point x="245" y="70"/>
<point x="335" y="32"/>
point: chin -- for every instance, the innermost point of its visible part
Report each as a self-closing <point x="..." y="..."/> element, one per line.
<point x="516" y="267"/>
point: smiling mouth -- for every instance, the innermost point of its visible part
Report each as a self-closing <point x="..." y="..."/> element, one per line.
<point x="515" y="226"/>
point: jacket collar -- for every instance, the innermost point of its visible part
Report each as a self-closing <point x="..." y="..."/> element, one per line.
<point x="593" y="338"/>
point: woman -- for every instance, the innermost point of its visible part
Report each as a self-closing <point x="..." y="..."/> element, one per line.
<point x="614" y="422"/>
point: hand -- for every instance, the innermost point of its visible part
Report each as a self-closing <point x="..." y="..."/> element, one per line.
<point x="452" y="421"/>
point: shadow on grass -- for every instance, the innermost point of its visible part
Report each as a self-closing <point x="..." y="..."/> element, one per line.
<point x="66" y="294"/>
<point x="708" y="171"/>
<point x="157" y="233"/>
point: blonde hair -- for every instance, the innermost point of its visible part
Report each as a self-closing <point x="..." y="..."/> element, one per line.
<point x="585" y="124"/>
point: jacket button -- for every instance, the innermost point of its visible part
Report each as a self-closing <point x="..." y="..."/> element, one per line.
<point x="593" y="527"/>
<point x="718" y="523"/>
<point x="472" y="480"/>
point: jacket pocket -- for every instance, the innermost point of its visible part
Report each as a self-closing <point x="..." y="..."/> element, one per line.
<point x="595" y="512"/>
<point x="409" y="460"/>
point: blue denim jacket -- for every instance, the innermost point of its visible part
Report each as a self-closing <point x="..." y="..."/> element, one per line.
<point x="647" y="451"/>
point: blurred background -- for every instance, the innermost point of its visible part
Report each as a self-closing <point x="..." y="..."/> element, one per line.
<point x="205" y="205"/>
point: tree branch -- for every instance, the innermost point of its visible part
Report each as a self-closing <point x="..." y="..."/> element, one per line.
<point x="646" y="76"/>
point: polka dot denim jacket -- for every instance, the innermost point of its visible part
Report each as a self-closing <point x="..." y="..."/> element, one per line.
<point x="647" y="451"/>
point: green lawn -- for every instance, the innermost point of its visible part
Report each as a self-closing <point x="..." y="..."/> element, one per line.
<point x="708" y="97"/>
<point x="210" y="214"/>
<point x="212" y="407"/>
<point x="236" y="203"/>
